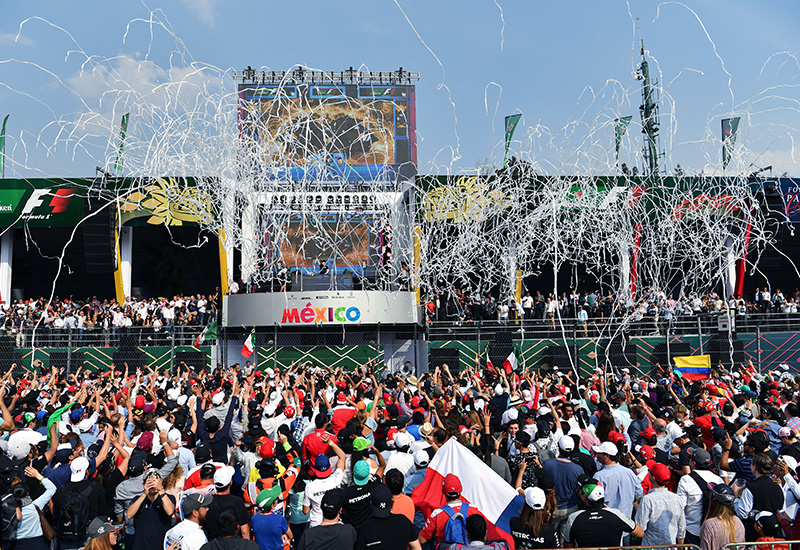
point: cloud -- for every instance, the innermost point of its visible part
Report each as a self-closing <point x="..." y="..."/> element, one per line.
<point x="9" y="38"/>
<point x="204" y="9"/>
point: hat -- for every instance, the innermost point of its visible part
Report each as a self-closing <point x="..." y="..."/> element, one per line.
<point x="332" y="502"/>
<point x="451" y="484"/>
<point x="266" y="497"/>
<point x="679" y="435"/>
<point x="85" y="425"/>
<point x="361" y="472"/>
<point x="649" y="433"/>
<point x="100" y="526"/>
<point x="412" y="380"/>
<point x="526" y="395"/>
<point x="288" y="412"/>
<point x="661" y="473"/>
<point x="718" y="433"/>
<point x="701" y="457"/>
<point x="381" y="501"/>
<point x="341" y="398"/>
<point x="136" y="464"/>
<point x="78" y="468"/>
<point x="218" y="398"/>
<point x="182" y="399"/>
<point x="544" y="410"/>
<point x="790" y="461"/>
<point x="139" y="402"/>
<point x="223" y="476"/>
<point x="516" y="400"/>
<point x="498" y="389"/>
<point x="403" y="439"/>
<point x="785" y="432"/>
<point x="616" y="437"/>
<point x="593" y="490"/>
<point x="402" y="421"/>
<point x="566" y="443"/>
<point x="426" y="429"/>
<point x="372" y="424"/>
<point x="769" y="522"/>
<point x="195" y="501"/>
<point x="151" y="472"/>
<point x="606" y="448"/>
<point x="360" y="443"/>
<point x="535" y="498"/>
<point x="145" y="441"/>
<point x="647" y="452"/>
<point x="76" y="415"/>
<point x="322" y="466"/>
<point x="267" y="447"/>
<point x="723" y="493"/>
<point x="680" y="408"/>
<point x="173" y="394"/>
<point x="421" y="459"/>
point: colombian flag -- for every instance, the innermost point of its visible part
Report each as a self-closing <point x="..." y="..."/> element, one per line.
<point x="694" y="367"/>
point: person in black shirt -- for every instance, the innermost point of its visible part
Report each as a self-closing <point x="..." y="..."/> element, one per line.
<point x="224" y="500"/>
<point x="230" y="538"/>
<point x="384" y="529"/>
<point x="357" y="501"/>
<point x="209" y="433"/>
<point x="533" y="528"/>
<point x="151" y="513"/>
<point x="597" y="525"/>
<point x="331" y="534"/>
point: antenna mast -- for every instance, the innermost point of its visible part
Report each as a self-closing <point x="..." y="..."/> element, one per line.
<point x="649" y="113"/>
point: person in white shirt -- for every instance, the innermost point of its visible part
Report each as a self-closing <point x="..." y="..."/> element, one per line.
<point x="692" y="494"/>
<point x="189" y="533"/>
<point x="325" y="479"/>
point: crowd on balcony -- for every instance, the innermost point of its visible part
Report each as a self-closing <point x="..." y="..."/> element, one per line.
<point x="462" y="307"/>
<point x="64" y="314"/>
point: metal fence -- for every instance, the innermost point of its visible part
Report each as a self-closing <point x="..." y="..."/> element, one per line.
<point x="178" y="335"/>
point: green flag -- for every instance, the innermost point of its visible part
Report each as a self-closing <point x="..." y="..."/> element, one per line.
<point x="122" y="131"/>
<point x="209" y="333"/>
<point x="511" y="125"/>
<point x="730" y="126"/>
<point x="3" y="148"/>
<point x="620" y="127"/>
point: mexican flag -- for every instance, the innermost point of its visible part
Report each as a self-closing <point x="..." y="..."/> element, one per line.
<point x="489" y="364"/>
<point x="512" y="361"/>
<point x="249" y="345"/>
<point x="209" y="333"/>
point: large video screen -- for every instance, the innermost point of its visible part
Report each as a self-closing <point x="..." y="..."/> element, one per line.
<point x="342" y="241"/>
<point x="355" y="132"/>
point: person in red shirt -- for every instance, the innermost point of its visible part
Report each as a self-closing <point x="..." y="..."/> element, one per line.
<point x="342" y="412"/>
<point x="707" y="421"/>
<point x="434" y="527"/>
<point x="313" y="444"/>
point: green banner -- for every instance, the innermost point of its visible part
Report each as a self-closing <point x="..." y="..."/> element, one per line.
<point x="511" y="125"/>
<point x="3" y="148"/>
<point x="730" y="126"/>
<point x="122" y="131"/>
<point x="620" y="128"/>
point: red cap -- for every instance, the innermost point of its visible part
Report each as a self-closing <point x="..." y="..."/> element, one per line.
<point x="616" y="437"/>
<point x="647" y="452"/>
<point x="301" y="395"/>
<point x="415" y="401"/>
<point x="661" y="473"/>
<point x="139" y="404"/>
<point x="73" y="388"/>
<point x="774" y="393"/>
<point x="649" y="433"/>
<point x="451" y="484"/>
<point x="711" y="388"/>
<point x="341" y="384"/>
<point x="288" y="411"/>
<point x="267" y="448"/>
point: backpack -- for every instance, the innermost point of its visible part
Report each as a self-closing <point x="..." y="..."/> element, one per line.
<point x="543" y="450"/>
<point x="8" y="519"/>
<point x="455" y="530"/>
<point x="703" y="484"/>
<point x="73" y="515"/>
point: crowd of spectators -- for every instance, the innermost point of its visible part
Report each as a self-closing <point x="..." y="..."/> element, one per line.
<point x="463" y="307"/>
<point x="315" y="458"/>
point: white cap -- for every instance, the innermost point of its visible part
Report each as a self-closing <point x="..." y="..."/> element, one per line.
<point x="78" y="468"/>
<point x="223" y="476"/>
<point x="182" y="399"/>
<point x="790" y="461"/>
<point x="566" y="443"/>
<point x="606" y="447"/>
<point x="174" y="435"/>
<point x="403" y="439"/>
<point x="421" y="458"/>
<point x="544" y="410"/>
<point x="85" y="425"/>
<point x="218" y="398"/>
<point x="679" y="435"/>
<point x="163" y="424"/>
<point x="498" y="390"/>
<point x="513" y="414"/>
<point x="526" y="395"/>
<point x="173" y="394"/>
<point x="535" y="498"/>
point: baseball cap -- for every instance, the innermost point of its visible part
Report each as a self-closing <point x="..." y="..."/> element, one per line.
<point x="361" y="472"/>
<point x="679" y="435"/>
<point x="421" y="459"/>
<point x="145" y="441"/>
<point x="785" y="432"/>
<point x="701" y="457"/>
<point x="218" y="398"/>
<point x="322" y="466"/>
<point x="78" y="468"/>
<point x="451" y="484"/>
<point x="790" y="461"/>
<point x="151" y="472"/>
<point x="223" y="476"/>
<point x="723" y="493"/>
<point x="195" y="501"/>
<point x="566" y="443"/>
<point x="593" y="490"/>
<point x="606" y="448"/>
<point x="266" y="497"/>
<point x="661" y="473"/>
<point x="535" y="498"/>
<point x="647" y="452"/>
<point x="360" y="443"/>
<point x="381" y="501"/>
<point x="101" y="525"/>
<point x="768" y="522"/>
<point x="332" y="502"/>
<point x="649" y="433"/>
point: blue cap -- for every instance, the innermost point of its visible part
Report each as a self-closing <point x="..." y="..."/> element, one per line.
<point x="41" y="414"/>
<point x="76" y="415"/>
<point x="322" y="466"/>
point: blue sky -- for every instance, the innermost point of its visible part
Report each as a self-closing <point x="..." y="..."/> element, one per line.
<point x="566" y="66"/>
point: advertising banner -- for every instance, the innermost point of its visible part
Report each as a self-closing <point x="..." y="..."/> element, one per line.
<point x="41" y="202"/>
<point x="306" y="309"/>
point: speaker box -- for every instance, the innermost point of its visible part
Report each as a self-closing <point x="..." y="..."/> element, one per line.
<point x="503" y="337"/>
<point x="676" y="349"/>
<point x="98" y="237"/>
<point x="58" y="359"/>
<point x="728" y="352"/>
<point x="196" y="359"/>
<point x="134" y="357"/>
<point x="439" y="356"/>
